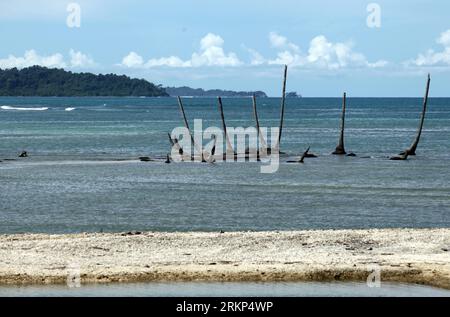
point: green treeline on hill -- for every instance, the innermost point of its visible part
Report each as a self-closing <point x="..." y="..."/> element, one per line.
<point x="42" y="81"/>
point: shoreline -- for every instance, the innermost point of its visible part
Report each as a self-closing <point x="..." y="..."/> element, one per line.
<point x="419" y="256"/>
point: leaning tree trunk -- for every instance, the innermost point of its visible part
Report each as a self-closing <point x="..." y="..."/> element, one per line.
<point x="174" y="143"/>
<point x="229" y="146"/>
<point x="340" y="149"/>
<point x="258" y="128"/>
<point x="180" y="103"/>
<point x="413" y="147"/>
<point x="304" y="155"/>
<point x="283" y="98"/>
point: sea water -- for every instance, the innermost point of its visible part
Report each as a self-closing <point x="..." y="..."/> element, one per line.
<point x="83" y="172"/>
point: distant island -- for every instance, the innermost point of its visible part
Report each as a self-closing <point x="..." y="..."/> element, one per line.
<point x="199" y="92"/>
<point x="293" y="94"/>
<point x="48" y="82"/>
<point x="42" y="81"/>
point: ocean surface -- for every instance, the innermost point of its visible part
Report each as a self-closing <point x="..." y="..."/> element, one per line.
<point x="82" y="173"/>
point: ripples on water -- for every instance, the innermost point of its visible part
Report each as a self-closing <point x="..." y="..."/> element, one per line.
<point x="73" y="182"/>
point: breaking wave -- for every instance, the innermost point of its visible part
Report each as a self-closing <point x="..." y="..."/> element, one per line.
<point x="24" y="109"/>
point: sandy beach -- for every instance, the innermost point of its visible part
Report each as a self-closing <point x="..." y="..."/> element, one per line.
<point x="402" y="255"/>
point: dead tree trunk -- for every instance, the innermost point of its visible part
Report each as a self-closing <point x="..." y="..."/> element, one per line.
<point x="211" y="158"/>
<point x="229" y="146"/>
<point x="258" y="129"/>
<point x="412" y="149"/>
<point x="340" y="149"/>
<point x="283" y="99"/>
<point x="174" y="143"/>
<point x="304" y="155"/>
<point x="180" y="103"/>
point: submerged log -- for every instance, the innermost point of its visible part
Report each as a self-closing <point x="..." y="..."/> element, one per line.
<point x="23" y="154"/>
<point x="400" y="157"/>
<point x="305" y="154"/>
<point x="340" y="149"/>
<point x="412" y="149"/>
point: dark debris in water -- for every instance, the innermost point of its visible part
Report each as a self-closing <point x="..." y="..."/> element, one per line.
<point x="131" y="233"/>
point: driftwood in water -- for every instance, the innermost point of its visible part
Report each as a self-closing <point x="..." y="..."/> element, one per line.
<point x="401" y="157"/>
<point x="340" y="148"/>
<point x="167" y="159"/>
<point x="23" y="154"/>
<point x="229" y="146"/>
<point x="412" y="149"/>
<point x="305" y="154"/>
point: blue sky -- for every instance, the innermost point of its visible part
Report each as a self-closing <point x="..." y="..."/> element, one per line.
<point x="240" y="45"/>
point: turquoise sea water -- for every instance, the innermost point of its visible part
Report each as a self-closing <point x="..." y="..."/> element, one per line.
<point x="83" y="173"/>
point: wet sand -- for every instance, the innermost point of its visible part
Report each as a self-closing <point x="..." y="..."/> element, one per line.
<point x="402" y="255"/>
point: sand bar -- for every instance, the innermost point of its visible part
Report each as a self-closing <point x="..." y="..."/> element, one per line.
<point x="402" y="255"/>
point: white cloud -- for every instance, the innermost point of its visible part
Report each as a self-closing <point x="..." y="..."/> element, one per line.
<point x="444" y="39"/>
<point x="78" y="59"/>
<point x="132" y="60"/>
<point x="171" y="61"/>
<point x="255" y="57"/>
<point x="211" y="53"/>
<point x="287" y="58"/>
<point x="32" y="58"/>
<point x="211" y="40"/>
<point x="321" y="54"/>
<point x="433" y="58"/>
<point x="281" y="42"/>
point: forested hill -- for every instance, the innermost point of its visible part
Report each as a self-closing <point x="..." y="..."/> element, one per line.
<point x="42" y="81"/>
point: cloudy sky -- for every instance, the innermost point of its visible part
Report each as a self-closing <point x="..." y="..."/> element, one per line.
<point x="367" y="48"/>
